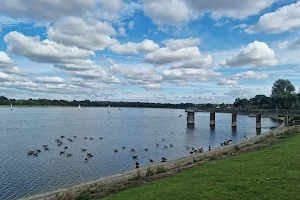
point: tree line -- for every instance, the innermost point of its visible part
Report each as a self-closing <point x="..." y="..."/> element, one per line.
<point x="283" y="96"/>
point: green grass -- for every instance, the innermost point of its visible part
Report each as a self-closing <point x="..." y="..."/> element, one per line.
<point x="271" y="173"/>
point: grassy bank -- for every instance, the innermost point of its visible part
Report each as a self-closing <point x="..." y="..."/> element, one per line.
<point x="271" y="173"/>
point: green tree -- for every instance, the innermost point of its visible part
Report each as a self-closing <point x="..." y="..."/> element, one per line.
<point x="283" y="94"/>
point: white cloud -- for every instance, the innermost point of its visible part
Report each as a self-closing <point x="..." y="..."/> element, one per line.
<point x="290" y="44"/>
<point x="122" y="31"/>
<point x="131" y="25"/>
<point x="284" y="19"/>
<point x="251" y="75"/>
<point x="152" y="86"/>
<point x="201" y="62"/>
<point x="51" y="80"/>
<point x="96" y="74"/>
<point x="225" y="81"/>
<point x="109" y="9"/>
<point x="47" y="51"/>
<point x="165" y="55"/>
<point x="135" y="48"/>
<point x="46" y="9"/>
<point x="230" y="8"/>
<point x="88" y="34"/>
<point x="7" y="65"/>
<point x="172" y="12"/>
<point x="182" y="76"/>
<point x="5" y="59"/>
<point x="256" y="54"/>
<point x="241" y="93"/>
<point x="181" y="43"/>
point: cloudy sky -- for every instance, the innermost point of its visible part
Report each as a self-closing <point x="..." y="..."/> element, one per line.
<point x="147" y="50"/>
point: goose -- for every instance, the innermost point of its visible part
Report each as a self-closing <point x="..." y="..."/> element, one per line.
<point x="134" y="157"/>
<point x="137" y="165"/>
<point x="86" y="159"/>
<point x="163" y="159"/>
<point x="146" y="149"/>
<point x="61" y="152"/>
<point x="65" y="147"/>
<point x="89" y="155"/>
<point x="46" y="149"/>
<point x="69" y="154"/>
<point x="45" y="145"/>
<point x="151" y="160"/>
<point x="83" y="150"/>
<point x="132" y="150"/>
<point x="101" y="138"/>
<point x="209" y="148"/>
<point x="115" y="150"/>
<point x="165" y="146"/>
<point x="62" y="136"/>
<point x="85" y="138"/>
<point x="171" y="145"/>
<point x="123" y="147"/>
<point x="157" y="144"/>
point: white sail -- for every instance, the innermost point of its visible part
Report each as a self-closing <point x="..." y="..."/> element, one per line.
<point x="11" y="106"/>
<point x="108" y="109"/>
<point x="79" y="107"/>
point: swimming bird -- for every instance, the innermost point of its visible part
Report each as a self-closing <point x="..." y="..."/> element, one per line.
<point x="74" y="136"/>
<point x="115" y="150"/>
<point x="146" y="149"/>
<point x="83" y="150"/>
<point x="85" y="138"/>
<point x="134" y="157"/>
<point x="165" y="146"/>
<point x="101" y="138"/>
<point x="157" y="144"/>
<point x="61" y="152"/>
<point x="38" y="151"/>
<point x="65" y="147"/>
<point x="89" y="155"/>
<point x="137" y="165"/>
<point x="209" y="148"/>
<point x="151" y="160"/>
<point x="171" y="145"/>
<point x="132" y="150"/>
<point x="69" y="155"/>
<point x="45" y="145"/>
<point x="180" y="116"/>
<point x="163" y="159"/>
<point x="62" y="136"/>
<point x="123" y="147"/>
<point x="163" y="139"/>
<point x="46" y="149"/>
<point x="86" y="159"/>
<point x="91" y="138"/>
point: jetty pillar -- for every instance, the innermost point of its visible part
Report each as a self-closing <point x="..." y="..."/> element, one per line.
<point x="286" y="120"/>
<point x="258" y="121"/>
<point x="212" y="119"/>
<point x="190" y="117"/>
<point x="233" y="123"/>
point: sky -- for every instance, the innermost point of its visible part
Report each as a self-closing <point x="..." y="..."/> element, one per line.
<point x="167" y="51"/>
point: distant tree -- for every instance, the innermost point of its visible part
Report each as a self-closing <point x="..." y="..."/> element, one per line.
<point x="3" y="98"/>
<point x="283" y="94"/>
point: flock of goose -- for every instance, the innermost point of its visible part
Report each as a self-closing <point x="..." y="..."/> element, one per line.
<point x="59" y="142"/>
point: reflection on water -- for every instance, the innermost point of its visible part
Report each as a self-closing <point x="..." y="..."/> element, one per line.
<point x="26" y="129"/>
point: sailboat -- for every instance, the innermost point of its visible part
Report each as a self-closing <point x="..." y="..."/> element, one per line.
<point x="11" y="106"/>
<point x="79" y="107"/>
<point x="108" y="109"/>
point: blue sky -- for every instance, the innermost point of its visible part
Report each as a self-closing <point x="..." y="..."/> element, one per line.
<point x="147" y="50"/>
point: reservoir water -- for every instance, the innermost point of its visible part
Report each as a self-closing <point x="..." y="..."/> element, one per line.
<point x="24" y="129"/>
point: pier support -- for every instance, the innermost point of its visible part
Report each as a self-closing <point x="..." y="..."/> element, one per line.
<point x="233" y="124"/>
<point x="258" y="121"/>
<point x="286" y="120"/>
<point x="212" y="119"/>
<point x="191" y="118"/>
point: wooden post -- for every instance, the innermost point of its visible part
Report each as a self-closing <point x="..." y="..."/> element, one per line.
<point x="190" y="118"/>
<point x="233" y="124"/>
<point x="258" y="121"/>
<point x="212" y="119"/>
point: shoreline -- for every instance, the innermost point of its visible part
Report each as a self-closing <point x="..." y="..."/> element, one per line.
<point x="178" y="163"/>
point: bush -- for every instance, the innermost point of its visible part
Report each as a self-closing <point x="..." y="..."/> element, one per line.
<point x="150" y="172"/>
<point x="84" y="196"/>
<point x="160" y="169"/>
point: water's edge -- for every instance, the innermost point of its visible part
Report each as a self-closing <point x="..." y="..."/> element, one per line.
<point x="123" y="176"/>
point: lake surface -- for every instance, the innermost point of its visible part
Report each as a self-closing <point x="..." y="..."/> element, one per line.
<point x="24" y="129"/>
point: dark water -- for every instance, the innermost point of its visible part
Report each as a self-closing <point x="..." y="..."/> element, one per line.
<point x="24" y="129"/>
